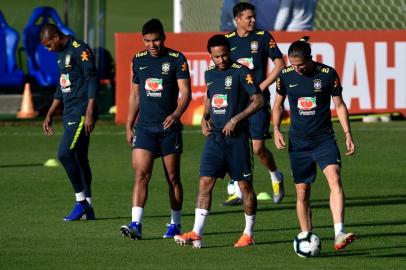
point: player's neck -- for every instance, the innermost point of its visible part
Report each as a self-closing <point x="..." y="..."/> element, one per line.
<point x="242" y="32"/>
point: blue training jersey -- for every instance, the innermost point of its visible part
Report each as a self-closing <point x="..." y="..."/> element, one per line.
<point x="253" y="52"/>
<point x="309" y="98"/>
<point x="158" y="79"/>
<point x="78" y="77"/>
<point x="229" y="91"/>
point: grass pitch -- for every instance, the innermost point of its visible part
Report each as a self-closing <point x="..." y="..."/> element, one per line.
<point x="36" y="198"/>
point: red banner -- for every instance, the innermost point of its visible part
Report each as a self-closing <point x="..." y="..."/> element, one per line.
<point x="371" y="64"/>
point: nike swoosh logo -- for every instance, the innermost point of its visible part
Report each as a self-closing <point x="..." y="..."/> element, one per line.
<point x="59" y="61"/>
<point x="293" y="85"/>
<point x="246" y="175"/>
<point x="233" y="48"/>
<point x="209" y="83"/>
<point x="141" y="68"/>
<point x="71" y="123"/>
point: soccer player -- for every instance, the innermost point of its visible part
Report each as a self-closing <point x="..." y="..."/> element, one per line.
<point x="309" y="86"/>
<point x="77" y="91"/>
<point x="252" y="47"/>
<point x="232" y="95"/>
<point x="160" y="74"/>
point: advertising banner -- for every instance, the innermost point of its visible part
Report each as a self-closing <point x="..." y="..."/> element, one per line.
<point x="371" y="65"/>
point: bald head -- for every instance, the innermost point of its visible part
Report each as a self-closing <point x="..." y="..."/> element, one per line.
<point x="52" y="38"/>
<point x="49" y="31"/>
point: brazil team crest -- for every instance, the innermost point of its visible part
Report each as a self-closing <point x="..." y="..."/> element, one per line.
<point x="228" y="82"/>
<point x="165" y="67"/>
<point x="254" y="46"/>
<point x="317" y="84"/>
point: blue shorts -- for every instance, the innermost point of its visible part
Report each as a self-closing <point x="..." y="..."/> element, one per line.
<point x="305" y="152"/>
<point x="155" y="139"/>
<point x="227" y="154"/>
<point x="259" y="124"/>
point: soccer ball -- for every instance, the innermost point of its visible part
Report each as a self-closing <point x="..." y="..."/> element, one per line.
<point x="307" y="244"/>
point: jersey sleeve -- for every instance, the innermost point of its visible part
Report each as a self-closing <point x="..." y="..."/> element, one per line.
<point x="248" y="83"/>
<point x="272" y="48"/>
<point x="280" y="87"/>
<point x="135" y="78"/>
<point x="337" y="89"/>
<point x="58" y="93"/>
<point x="88" y="66"/>
<point x="206" y="75"/>
<point x="182" y="69"/>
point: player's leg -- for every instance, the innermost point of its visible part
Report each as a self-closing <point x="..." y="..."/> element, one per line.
<point x="171" y="146"/>
<point x="250" y="209"/>
<point x="337" y="206"/>
<point x="172" y="172"/>
<point x="266" y="158"/>
<point x="145" y="149"/>
<point x="142" y="162"/>
<point x="81" y="156"/>
<point x="329" y="160"/>
<point x="303" y="209"/>
<point x="240" y="164"/>
<point x="66" y="155"/>
<point x="212" y="166"/>
<point x="304" y="171"/>
<point x="203" y="205"/>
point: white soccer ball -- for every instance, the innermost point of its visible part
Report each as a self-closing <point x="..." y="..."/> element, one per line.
<point x="307" y="244"/>
<point x="230" y="187"/>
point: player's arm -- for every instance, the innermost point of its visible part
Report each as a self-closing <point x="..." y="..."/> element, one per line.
<point x="183" y="103"/>
<point x="47" y="124"/>
<point x="279" y="65"/>
<point x="90" y="76"/>
<point x="277" y="111"/>
<point x="273" y="52"/>
<point x="183" y="79"/>
<point x="205" y="124"/>
<point x="257" y="101"/>
<point x="133" y="109"/>
<point x="342" y="113"/>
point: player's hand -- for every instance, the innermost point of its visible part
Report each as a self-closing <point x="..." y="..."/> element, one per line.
<point x="205" y="125"/>
<point x="47" y="126"/>
<point x="278" y="139"/>
<point x="229" y="127"/>
<point x="89" y="124"/>
<point x="130" y="136"/>
<point x="350" y="144"/>
<point x="170" y="120"/>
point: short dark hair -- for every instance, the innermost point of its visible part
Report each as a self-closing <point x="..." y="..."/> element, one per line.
<point x="153" y="26"/>
<point x="241" y="7"/>
<point x="49" y="30"/>
<point x="300" y="48"/>
<point x="218" y="40"/>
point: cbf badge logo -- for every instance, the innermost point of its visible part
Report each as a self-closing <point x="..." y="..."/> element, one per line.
<point x="165" y="67"/>
<point x="317" y="84"/>
<point x="254" y="46"/>
<point x="228" y="82"/>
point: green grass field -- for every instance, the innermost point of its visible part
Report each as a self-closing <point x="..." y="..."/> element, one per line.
<point x="34" y="199"/>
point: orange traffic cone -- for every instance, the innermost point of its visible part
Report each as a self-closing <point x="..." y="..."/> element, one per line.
<point x="27" y="106"/>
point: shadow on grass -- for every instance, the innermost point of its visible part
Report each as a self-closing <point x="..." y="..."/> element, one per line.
<point x="21" y="165"/>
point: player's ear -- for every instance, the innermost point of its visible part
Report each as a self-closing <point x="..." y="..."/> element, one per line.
<point x="163" y="37"/>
